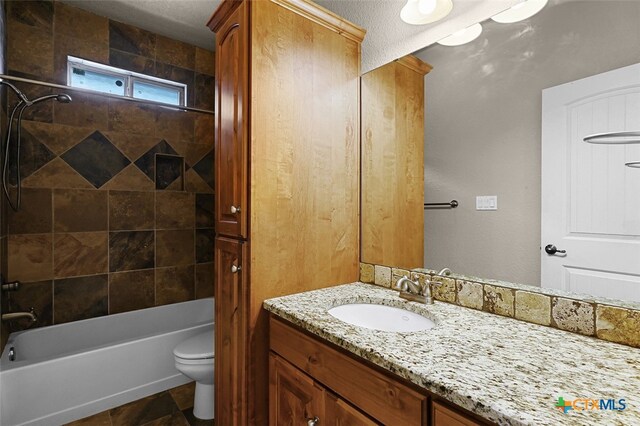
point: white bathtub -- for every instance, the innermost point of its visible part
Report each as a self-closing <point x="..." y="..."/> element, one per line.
<point x="69" y="371"/>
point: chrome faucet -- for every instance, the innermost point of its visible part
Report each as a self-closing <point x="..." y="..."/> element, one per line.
<point x="17" y="315"/>
<point x="445" y="272"/>
<point x="414" y="291"/>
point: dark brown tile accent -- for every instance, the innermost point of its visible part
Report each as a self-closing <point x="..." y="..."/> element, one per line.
<point x="194" y="183"/>
<point x="56" y="174"/>
<point x="132" y="117"/>
<point x="96" y="159"/>
<point x="81" y="253"/>
<point x="204" y="91"/>
<point x="169" y="172"/>
<point x="183" y="395"/>
<point x="205" y="280"/>
<point x="80" y="24"/>
<point x="68" y="45"/>
<point x="33" y="156"/>
<point x="35" y="214"/>
<point x="175" y="125"/>
<point x="147" y="162"/>
<point x="130" y="250"/>
<point x="133" y="146"/>
<point x="129" y="210"/>
<point x="204" y="245"/>
<point x="86" y="110"/>
<point x="32" y="13"/>
<point x="29" y="50"/>
<point x="36" y="295"/>
<point x="144" y="410"/>
<point x="205" y="61"/>
<point x="192" y="152"/>
<point x="131" y="62"/>
<point x="204" y="211"/>
<point x="100" y="419"/>
<point x="129" y="291"/>
<point x="204" y="129"/>
<point x="78" y="210"/>
<point x="204" y="168"/>
<point x="175" y="210"/>
<point x="175" y="247"/>
<point x="79" y="298"/>
<point x="174" y="284"/>
<point x="30" y="257"/>
<point x="175" y="52"/>
<point x="131" y="39"/>
<point x="57" y="137"/>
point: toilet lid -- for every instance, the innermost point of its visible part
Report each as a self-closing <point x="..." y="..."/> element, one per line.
<point x="199" y="346"/>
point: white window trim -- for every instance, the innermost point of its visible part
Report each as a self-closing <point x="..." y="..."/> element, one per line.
<point x="127" y="76"/>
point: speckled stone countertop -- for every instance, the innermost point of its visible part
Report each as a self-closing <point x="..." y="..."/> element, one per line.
<point x="507" y="371"/>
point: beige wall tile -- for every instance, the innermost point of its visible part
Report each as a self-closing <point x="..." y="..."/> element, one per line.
<point x="499" y="300"/>
<point x="533" y="307"/>
<point x="470" y="294"/>
<point x="618" y="325"/>
<point x="367" y="273"/>
<point x="573" y="315"/>
<point x="382" y="276"/>
<point x="443" y="289"/>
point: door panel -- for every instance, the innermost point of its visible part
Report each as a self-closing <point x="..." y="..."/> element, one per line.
<point x="231" y="299"/>
<point x="590" y="200"/>
<point x="341" y="413"/>
<point x="231" y="144"/>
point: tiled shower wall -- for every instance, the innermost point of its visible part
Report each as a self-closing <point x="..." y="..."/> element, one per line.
<point x="117" y="203"/>
<point x="3" y="213"/>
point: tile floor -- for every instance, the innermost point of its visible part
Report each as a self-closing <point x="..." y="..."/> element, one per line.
<point x="169" y="408"/>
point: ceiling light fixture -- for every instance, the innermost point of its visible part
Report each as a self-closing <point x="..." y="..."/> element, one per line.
<point x="463" y="36"/>
<point x="521" y="11"/>
<point x="421" y="12"/>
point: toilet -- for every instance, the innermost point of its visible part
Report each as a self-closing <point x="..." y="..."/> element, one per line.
<point x="194" y="359"/>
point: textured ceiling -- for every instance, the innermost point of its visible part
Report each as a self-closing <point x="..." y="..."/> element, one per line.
<point x="389" y="38"/>
<point x="183" y="20"/>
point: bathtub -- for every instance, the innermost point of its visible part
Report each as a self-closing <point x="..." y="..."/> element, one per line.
<point x="69" y="371"/>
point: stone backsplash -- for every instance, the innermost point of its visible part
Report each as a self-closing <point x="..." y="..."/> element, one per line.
<point x="594" y="317"/>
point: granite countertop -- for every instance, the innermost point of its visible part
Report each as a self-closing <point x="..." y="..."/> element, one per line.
<point x="507" y="371"/>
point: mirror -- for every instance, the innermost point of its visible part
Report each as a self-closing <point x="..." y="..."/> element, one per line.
<point x="484" y="137"/>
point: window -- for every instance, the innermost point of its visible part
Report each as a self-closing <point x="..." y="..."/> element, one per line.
<point x="115" y="81"/>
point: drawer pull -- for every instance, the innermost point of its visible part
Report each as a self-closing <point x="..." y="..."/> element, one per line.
<point x="235" y="209"/>
<point x="313" y="422"/>
<point x="235" y="269"/>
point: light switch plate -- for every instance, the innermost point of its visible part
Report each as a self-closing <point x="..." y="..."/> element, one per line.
<point x="487" y="202"/>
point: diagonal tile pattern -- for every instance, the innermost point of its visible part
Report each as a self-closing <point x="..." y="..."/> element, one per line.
<point x="204" y="168"/>
<point x="96" y="159"/>
<point x="146" y="163"/>
<point x="33" y="155"/>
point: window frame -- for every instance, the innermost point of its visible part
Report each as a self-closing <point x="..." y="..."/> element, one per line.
<point x="128" y="77"/>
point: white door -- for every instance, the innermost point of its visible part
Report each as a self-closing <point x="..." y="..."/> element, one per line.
<point x="590" y="199"/>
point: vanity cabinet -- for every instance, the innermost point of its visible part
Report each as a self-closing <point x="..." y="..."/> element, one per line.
<point x="286" y="177"/>
<point x="311" y="378"/>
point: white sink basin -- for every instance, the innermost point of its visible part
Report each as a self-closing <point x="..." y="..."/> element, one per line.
<point x="381" y="317"/>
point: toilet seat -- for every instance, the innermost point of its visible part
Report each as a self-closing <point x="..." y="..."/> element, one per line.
<point x="197" y="349"/>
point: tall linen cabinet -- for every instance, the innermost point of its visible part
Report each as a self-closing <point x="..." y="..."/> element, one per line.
<point x="287" y="177"/>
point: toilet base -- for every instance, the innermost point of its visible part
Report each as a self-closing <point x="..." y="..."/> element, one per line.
<point x="203" y="405"/>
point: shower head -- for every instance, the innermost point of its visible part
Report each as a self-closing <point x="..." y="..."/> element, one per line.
<point x="62" y="98"/>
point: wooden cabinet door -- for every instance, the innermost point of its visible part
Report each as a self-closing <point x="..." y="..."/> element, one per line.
<point x="232" y="134"/>
<point x="444" y="416"/>
<point x="338" y="412"/>
<point x="231" y="300"/>
<point x="295" y="399"/>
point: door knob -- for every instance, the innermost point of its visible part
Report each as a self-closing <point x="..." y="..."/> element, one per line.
<point x="235" y="269"/>
<point x="551" y="249"/>
<point x="235" y="209"/>
<point x="313" y="422"/>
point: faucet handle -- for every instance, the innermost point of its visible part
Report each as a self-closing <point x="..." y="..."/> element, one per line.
<point x="32" y="311"/>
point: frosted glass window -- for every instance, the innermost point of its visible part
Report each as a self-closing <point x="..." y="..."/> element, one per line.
<point x="101" y="82"/>
<point x="157" y="92"/>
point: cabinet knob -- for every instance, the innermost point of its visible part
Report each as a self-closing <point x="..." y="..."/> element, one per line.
<point x="313" y="422"/>
<point x="235" y="209"/>
<point x="235" y="269"/>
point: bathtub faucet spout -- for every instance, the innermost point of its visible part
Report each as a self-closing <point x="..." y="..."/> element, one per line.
<point x="17" y="315"/>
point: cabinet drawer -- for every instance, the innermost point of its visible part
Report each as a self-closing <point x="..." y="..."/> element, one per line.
<point x="379" y="396"/>
<point x="445" y="416"/>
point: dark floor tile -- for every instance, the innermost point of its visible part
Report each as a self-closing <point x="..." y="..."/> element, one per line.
<point x="130" y="250"/>
<point x="36" y="295"/>
<point x="100" y="419"/>
<point x="175" y="247"/>
<point x="80" y="253"/>
<point x="175" y="419"/>
<point x="204" y="245"/>
<point x="131" y="210"/>
<point x="78" y="210"/>
<point x="175" y="210"/>
<point x="194" y="421"/>
<point x="204" y="168"/>
<point x="205" y="280"/>
<point x="96" y="159"/>
<point x="144" y="410"/>
<point x="129" y="291"/>
<point x="204" y="211"/>
<point x="35" y="214"/>
<point x="131" y="39"/>
<point x="174" y="284"/>
<point x="169" y="171"/>
<point x="79" y="298"/>
<point x="183" y="395"/>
